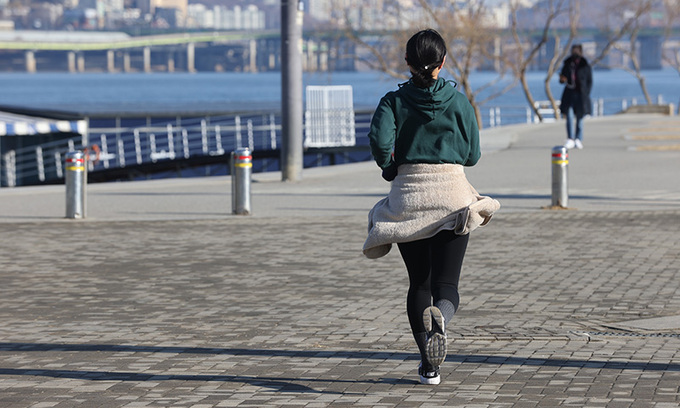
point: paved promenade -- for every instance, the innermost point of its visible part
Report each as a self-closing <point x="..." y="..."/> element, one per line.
<point x="162" y="298"/>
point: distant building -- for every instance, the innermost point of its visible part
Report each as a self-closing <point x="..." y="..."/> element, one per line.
<point x="44" y="16"/>
<point x="319" y="9"/>
<point x="366" y="14"/>
<point x="223" y="18"/>
<point x="105" y="10"/>
<point x="398" y="14"/>
<point x="149" y="6"/>
<point x="199" y="16"/>
<point x="6" y="25"/>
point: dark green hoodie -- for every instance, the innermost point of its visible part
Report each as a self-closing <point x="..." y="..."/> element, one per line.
<point x="425" y="125"/>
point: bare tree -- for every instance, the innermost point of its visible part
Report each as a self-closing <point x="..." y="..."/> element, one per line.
<point x="671" y="54"/>
<point x="671" y="51"/>
<point x="634" y="68"/>
<point x="380" y="53"/>
<point x="633" y="12"/>
<point x="527" y="49"/>
<point x="474" y="43"/>
<point x="560" y="52"/>
<point x="622" y="13"/>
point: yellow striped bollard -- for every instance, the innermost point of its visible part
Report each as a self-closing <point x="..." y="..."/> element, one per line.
<point x="76" y="184"/>
<point x="241" y="170"/>
<point x="560" y="164"/>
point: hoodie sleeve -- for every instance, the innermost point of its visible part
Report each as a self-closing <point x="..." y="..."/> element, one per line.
<point x="471" y="134"/>
<point x="383" y="132"/>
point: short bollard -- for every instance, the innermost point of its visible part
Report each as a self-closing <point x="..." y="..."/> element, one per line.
<point x="241" y="169"/>
<point x="560" y="164"/>
<point x="76" y="184"/>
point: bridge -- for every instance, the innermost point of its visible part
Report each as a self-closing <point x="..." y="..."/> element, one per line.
<point x="35" y="51"/>
<point x="246" y="51"/>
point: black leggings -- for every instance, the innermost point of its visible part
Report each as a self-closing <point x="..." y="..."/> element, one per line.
<point x="433" y="266"/>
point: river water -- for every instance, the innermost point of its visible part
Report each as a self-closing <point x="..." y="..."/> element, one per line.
<point x="223" y="92"/>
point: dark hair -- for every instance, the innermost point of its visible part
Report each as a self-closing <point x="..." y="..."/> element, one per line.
<point x="425" y="52"/>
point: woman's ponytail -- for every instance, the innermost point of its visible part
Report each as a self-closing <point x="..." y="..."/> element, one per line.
<point x="422" y="78"/>
<point x="425" y="51"/>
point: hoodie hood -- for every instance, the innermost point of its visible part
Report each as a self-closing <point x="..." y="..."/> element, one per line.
<point x="430" y="102"/>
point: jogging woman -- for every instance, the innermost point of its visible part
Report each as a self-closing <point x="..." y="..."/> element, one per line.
<point x="421" y="136"/>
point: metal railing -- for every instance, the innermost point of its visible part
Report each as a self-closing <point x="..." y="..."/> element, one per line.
<point x="515" y="114"/>
<point x="121" y="147"/>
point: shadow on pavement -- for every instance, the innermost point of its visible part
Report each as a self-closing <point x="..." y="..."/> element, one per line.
<point x="276" y="384"/>
<point x="359" y="355"/>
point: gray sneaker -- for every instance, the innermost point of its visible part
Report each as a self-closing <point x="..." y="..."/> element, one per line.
<point x="435" y="346"/>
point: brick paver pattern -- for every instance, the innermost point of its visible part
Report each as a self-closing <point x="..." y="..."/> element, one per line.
<point x="288" y="312"/>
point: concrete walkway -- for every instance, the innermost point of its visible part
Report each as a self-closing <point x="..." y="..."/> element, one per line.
<point x="162" y="298"/>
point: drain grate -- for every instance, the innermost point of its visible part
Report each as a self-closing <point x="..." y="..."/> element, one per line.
<point x="628" y="334"/>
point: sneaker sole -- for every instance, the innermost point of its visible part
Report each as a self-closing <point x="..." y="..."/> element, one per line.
<point x="435" y="347"/>
<point x="433" y="320"/>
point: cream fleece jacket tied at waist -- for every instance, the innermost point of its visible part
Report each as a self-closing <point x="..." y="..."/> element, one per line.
<point x="425" y="199"/>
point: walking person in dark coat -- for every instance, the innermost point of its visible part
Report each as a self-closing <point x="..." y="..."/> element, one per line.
<point x="577" y="76"/>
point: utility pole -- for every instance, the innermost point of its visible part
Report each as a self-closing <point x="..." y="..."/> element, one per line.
<point x="291" y="90"/>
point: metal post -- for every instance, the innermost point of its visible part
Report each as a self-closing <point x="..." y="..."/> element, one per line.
<point x="80" y="59"/>
<point x="41" y="163"/>
<point x="76" y="183"/>
<point x="560" y="164"/>
<point x="110" y="60"/>
<point x="147" y="59"/>
<point x="241" y="169"/>
<point x="11" y="168"/>
<point x="71" y="61"/>
<point x="291" y="90"/>
<point x="191" y="57"/>
<point x="601" y="112"/>
<point x="30" y="61"/>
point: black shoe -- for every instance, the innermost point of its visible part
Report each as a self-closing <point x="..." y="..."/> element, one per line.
<point x="429" y="375"/>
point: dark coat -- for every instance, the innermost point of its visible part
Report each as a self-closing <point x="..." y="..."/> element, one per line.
<point x="577" y="96"/>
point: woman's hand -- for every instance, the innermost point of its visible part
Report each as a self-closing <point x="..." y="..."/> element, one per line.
<point x="390" y="172"/>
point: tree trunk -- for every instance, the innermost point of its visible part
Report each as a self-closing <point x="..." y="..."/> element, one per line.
<point x="478" y="114"/>
<point x="529" y="96"/>
<point x="643" y="86"/>
<point x="471" y="98"/>
<point x="551" y="97"/>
